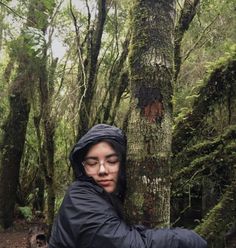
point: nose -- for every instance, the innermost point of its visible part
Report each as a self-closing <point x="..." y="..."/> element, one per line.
<point x="102" y="169"/>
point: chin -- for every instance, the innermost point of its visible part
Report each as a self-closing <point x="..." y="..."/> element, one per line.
<point x="109" y="189"/>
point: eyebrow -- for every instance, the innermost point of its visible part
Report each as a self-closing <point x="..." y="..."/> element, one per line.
<point x="107" y="156"/>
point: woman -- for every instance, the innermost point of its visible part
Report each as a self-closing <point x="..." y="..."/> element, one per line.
<point x="90" y="215"/>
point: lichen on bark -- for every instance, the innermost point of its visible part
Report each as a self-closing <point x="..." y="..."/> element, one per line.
<point x="149" y="129"/>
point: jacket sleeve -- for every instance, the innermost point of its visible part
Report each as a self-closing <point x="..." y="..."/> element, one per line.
<point x="174" y="237"/>
<point x="90" y="221"/>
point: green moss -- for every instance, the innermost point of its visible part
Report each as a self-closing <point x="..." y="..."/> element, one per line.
<point x="26" y="213"/>
<point x="218" y="85"/>
<point x="219" y="219"/>
<point x="206" y="147"/>
<point x="138" y="200"/>
<point x="145" y="37"/>
<point x="205" y="157"/>
<point x="212" y="66"/>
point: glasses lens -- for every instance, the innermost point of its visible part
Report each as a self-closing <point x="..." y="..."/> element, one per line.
<point x="114" y="159"/>
<point x="93" y="164"/>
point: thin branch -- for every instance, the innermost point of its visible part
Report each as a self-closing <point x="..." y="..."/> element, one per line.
<point x="79" y="49"/>
<point x="63" y="74"/>
<point x="51" y="29"/>
<point x="185" y="209"/>
<point x="15" y="13"/>
<point x="200" y="38"/>
<point x="88" y="25"/>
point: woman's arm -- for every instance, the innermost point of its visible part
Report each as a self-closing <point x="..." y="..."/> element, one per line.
<point x="88" y="219"/>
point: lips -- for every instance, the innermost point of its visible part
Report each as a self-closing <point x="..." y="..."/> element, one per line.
<point x="105" y="183"/>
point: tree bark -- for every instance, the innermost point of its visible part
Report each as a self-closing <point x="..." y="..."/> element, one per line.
<point x="2" y="15"/>
<point x="49" y="124"/>
<point x="16" y="123"/>
<point x="186" y="16"/>
<point x="220" y="218"/>
<point x="149" y="130"/>
<point x="118" y="82"/>
<point x="12" y="149"/>
<point x="123" y="84"/>
<point x="88" y="90"/>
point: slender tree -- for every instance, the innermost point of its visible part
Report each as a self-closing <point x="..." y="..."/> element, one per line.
<point x="118" y="82"/>
<point x="187" y="14"/>
<point x="89" y="68"/>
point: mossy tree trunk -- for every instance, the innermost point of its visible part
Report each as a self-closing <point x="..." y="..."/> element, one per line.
<point x="218" y="86"/>
<point x="22" y="89"/>
<point x="12" y="149"/>
<point x="2" y="15"/>
<point x="46" y="86"/>
<point x="220" y="219"/>
<point x="150" y="124"/>
<point x="209" y="160"/>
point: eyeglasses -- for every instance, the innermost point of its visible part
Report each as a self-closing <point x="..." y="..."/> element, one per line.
<point x="92" y="164"/>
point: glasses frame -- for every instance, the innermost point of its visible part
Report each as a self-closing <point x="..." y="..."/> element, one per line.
<point x="105" y="163"/>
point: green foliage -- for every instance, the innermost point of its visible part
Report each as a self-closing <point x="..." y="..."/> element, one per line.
<point x="229" y="55"/>
<point x="58" y="203"/>
<point x="36" y="41"/>
<point x="26" y="213"/>
<point x="211" y="40"/>
<point x="49" y="5"/>
<point x="31" y="43"/>
<point x="220" y="219"/>
<point x="210" y="36"/>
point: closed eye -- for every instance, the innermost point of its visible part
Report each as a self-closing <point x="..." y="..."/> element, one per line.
<point x="91" y="161"/>
<point x="113" y="159"/>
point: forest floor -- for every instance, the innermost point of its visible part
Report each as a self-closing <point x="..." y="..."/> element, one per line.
<point x="18" y="236"/>
<point x="15" y="237"/>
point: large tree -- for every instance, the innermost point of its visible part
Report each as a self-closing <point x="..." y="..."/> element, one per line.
<point x="22" y="89"/>
<point x="150" y="122"/>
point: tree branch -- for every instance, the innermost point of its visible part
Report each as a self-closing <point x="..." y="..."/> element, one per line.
<point x="187" y="14"/>
<point x="199" y="38"/>
<point x="15" y="13"/>
<point x="79" y="52"/>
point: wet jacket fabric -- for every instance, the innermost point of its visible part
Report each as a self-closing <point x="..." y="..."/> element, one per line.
<point x="89" y="217"/>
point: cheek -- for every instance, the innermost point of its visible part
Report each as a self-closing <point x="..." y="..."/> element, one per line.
<point x="90" y="174"/>
<point x="116" y="175"/>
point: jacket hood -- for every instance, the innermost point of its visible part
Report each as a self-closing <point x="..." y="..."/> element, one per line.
<point x="95" y="134"/>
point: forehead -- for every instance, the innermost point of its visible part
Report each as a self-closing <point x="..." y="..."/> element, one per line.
<point x="101" y="148"/>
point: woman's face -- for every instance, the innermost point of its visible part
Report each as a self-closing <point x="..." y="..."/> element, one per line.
<point x="102" y="164"/>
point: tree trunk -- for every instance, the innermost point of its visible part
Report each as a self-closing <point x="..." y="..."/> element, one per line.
<point x="12" y="149"/>
<point x="220" y="218"/>
<point x="150" y="124"/>
<point x="16" y="123"/>
<point x="186" y="16"/>
<point x="117" y="84"/>
<point x="123" y="84"/>
<point x="2" y="14"/>
<point x="87" y="91"/>
<point x="49" y="124"/>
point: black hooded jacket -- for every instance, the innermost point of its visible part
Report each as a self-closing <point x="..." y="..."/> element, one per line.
<point x="89" y="217"/>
